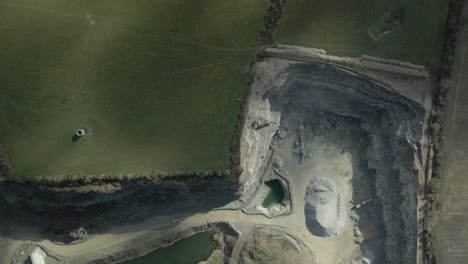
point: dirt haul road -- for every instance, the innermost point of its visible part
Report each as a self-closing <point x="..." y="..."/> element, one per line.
<point x="116" y="238"/>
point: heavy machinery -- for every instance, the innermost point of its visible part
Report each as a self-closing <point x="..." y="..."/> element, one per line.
<point x="361" y="204"/>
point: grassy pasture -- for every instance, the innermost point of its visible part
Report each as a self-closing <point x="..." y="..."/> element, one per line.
<point x="340" y="27"/>
<point x="154" y="82"/>
<point x="451" y="244"/>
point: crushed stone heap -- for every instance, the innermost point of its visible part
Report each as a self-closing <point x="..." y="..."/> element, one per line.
<point x="325" y="209"/>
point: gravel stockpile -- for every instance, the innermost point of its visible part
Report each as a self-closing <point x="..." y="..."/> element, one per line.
<point x="324" y="207"/>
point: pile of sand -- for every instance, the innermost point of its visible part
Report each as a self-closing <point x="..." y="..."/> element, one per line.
<point x="325" y="210"/>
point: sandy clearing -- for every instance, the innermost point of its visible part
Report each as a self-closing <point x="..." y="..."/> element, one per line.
<point x="326" y="162"/>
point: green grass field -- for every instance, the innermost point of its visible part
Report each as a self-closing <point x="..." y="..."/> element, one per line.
<point x="156" y="83"/>
<point x="340" y="27"/>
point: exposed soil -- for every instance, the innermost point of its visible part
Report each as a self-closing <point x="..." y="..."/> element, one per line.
<point x="325" y="208"/>
<point x="387" y="23"/>
<point x="270" y="245"/>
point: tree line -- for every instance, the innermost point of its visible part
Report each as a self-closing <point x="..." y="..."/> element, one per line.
<point x="271" y="21"/>
<point x="437" y="121"/>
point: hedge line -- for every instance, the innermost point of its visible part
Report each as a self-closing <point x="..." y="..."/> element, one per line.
<point x="271" y="21"/>
<point x="437" y="120"/>
<point x="156" y="177"/>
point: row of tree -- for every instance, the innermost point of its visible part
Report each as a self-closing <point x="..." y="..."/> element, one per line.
<point x="156" y="177"/>
<point x="439" y="105"/>
<point x="5" y="167"/>
<point x="271" y="21"/>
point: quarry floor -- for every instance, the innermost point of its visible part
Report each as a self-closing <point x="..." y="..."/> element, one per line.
<point x="116" y="238"/>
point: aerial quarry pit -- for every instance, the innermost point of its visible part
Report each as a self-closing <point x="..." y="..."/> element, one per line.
<point x="343" y="131"/>
<point x="344" y="138"/>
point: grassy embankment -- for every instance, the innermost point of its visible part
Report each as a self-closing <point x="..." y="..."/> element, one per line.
<point x="155" y="82"/>
<point x="341" y="28"/>
<point x="443" y="222"/>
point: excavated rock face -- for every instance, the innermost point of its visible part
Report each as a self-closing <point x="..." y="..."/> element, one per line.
<point x="63" y="213"/>
<point x="318" y="98"/>
<point x="324" y="207"/>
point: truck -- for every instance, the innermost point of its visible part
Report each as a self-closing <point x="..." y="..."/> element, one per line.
<point x="361" y="204"/>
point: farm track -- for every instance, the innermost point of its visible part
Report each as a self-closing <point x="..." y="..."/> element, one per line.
<point x="454" y="228"/>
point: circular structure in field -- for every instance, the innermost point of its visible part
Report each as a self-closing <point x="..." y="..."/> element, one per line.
<point x="325" y="212"/>
<point x="80" y="132"/>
